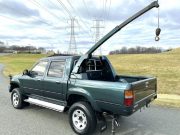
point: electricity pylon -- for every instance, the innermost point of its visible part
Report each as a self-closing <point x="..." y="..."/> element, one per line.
<point x="72" y="44"/>
<point x="97" y="26"/>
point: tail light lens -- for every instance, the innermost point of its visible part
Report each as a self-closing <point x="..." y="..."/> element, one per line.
<point x="128" y="98"/>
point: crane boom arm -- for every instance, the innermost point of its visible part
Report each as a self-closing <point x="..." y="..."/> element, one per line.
<point x="119" y="27"/>
<point x="112" y="32"/>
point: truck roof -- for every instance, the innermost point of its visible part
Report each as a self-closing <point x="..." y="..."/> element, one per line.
<point x="60" y="57"/>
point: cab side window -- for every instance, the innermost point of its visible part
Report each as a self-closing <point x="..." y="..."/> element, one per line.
<point x="40" y="68"/>
<point x="56" y="69"/>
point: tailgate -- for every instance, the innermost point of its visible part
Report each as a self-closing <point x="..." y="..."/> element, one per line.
<point x="144" y="89"/>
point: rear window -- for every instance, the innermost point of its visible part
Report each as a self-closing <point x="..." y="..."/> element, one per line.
<point x="56" y="69"/>
<point x="99" y="65"/>
<point x="91" y="65"/>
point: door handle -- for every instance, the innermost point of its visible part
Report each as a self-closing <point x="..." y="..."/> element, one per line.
<point x="38" y="79"/>
<point x="58" y="82"/>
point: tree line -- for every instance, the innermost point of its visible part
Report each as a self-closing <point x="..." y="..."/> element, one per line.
<point x="136" y="50"/>
<point x="20" y="49"/>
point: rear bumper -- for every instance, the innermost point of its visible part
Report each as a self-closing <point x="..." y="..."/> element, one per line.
<point x="122" y="110"/>
<point x="138" y="105"/>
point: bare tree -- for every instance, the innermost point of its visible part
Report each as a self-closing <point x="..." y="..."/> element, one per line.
<point x="136" y="50"/>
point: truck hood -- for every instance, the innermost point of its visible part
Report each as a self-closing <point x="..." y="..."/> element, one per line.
<point x="16" y="77"/>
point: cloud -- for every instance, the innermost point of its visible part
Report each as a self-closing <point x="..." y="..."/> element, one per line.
<point x="121" y="10"/>
<point x="16" y="9"/>
<point x="41" y="28"/>
<point x="14" y="37"/>
<point x="173" y="16"/>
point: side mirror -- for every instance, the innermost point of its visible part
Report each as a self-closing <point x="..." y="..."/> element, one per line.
<point x="25" y="72"/>
<point x="33" y="73"/>
<point x="116" y="78"/>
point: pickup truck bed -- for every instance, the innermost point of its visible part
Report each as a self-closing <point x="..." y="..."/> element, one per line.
<point x="109" y="95"/>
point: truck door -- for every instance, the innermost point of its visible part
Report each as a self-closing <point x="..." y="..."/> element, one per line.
<point x="53" y="81"/>
<point x="31" y="84"/>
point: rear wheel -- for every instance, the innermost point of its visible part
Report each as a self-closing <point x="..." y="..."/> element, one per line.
<point x="82" y="118"/>
<point x="17" y="99"/>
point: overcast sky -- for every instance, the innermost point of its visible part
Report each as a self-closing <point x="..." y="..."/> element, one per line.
<point x="46" y="23"/>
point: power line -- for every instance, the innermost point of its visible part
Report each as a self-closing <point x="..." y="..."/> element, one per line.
<point x="108" y="12"/>
<point x="45" y="9"/>
<point x="39" y="19"/>
<point x="12" y="19"/>
<point x="104" y="6"/>
<point x="58" y="8"/>
<point x="105" y="9"/>
<point x="25" y="23"/>
<point x="71" y="5"/>
<point x="67" y="10"/>
<point x="86" y="7"/>
<point x="72" y="38"/>
<point x="82" y="21"/>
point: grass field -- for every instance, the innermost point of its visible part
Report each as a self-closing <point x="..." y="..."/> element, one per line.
<point x="16" y="63"/>
<point x="165" y="66"/>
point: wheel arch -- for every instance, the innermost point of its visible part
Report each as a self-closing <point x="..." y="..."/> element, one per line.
<point x="82" y="95"/>
<point x="13" y="85"/>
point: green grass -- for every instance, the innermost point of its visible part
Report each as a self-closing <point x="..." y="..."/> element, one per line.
<point x="168" y="100"/>
<point x="165" y="66"/>
<point x="16" y="63"/>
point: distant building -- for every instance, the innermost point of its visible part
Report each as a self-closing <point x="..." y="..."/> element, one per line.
<point x="50" y="52"/>
<point x="9" y="51"/>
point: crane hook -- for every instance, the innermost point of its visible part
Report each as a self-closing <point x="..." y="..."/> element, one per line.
<point x="158" y="30"/>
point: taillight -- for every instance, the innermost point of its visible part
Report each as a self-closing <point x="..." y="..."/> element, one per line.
<point x="128" y="98"/>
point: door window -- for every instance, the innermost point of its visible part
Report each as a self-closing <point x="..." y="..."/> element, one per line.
<point x="56" y="69"/>
<point x="40" y="68"/>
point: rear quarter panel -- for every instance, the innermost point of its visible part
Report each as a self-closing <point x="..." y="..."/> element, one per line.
<point x="107" y="96"/>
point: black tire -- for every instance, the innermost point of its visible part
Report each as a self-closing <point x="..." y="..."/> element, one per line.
<point x="87" y="111"/>
<point x="26" y="104"/>
<point x="17" y="99"/>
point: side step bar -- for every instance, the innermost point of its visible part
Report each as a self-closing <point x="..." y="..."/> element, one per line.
<point x="45" y="104"/>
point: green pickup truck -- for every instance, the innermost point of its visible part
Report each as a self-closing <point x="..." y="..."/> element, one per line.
<point x="86" y="86"/>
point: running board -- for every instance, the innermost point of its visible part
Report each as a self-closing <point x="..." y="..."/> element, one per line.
<point x="45" y="104"/>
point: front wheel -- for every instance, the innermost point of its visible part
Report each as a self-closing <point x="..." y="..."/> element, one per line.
<point x="82" y="118"/>
<point x="17" y="99"/>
